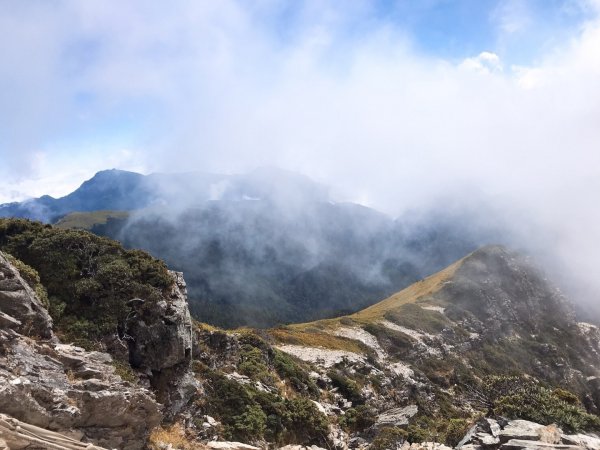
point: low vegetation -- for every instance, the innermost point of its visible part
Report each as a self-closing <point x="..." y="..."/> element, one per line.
<point x="518" y="397"/>
<point x="249" y="414"/>
<point x="88" y="279"/>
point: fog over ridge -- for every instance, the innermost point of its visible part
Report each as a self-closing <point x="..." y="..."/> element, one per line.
<point x="341" y="94"/>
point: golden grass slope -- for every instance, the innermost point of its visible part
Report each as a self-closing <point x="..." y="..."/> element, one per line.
<point x="319" y="333"/>
<point x="87" y="220"/>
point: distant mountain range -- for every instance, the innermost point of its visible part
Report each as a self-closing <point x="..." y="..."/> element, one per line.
<point x="266" y="247"/>
<point x="118" y="190"/>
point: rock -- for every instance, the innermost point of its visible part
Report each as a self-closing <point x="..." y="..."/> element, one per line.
<point x="396" y="417"/>
<point x="357" y="442"/>
<point x="338" y="437"/>
<point x="211" y="421"/>
<point x="428" y="446"/>
<point x="162" y="335"/>
<point x="63" y="388"/>
<point x="521" y="430"/>
<point x="300" y="447"/>
<point x="589" y="442"/>
<point x="224" y="445"/>
<point x="17" y="435"/>
<point x="521" y="444"/>
<point x="160" y="344"/>
<point x="320" y="407"/>
<point x="19" y="303"/>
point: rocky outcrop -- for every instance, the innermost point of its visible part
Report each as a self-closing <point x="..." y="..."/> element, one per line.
<point x="20" y="309"/>
<point x="160" y="345"/>
<point x="64" y="388"/>
<point x="396" y="417"/>
<point x="524" y="435"/>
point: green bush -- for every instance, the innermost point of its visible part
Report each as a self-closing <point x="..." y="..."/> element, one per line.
<point x="525" y="398"/>
<point x="288" y="369"/>
<point x="347" y="387"/>
<point x="456" y="430"/>
<point x="251" y="424"/>
<point x="357" y="419"/>
<point x="248" y="414"/>
<point x="389" y="438"/>
<point x="88" y="279"/>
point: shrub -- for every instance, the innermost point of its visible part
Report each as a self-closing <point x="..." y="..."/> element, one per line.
<point x="519" y="397"/>
<point x="347" y="387"/>
<point x="288" y="369"/>
<point x="389" y="438"/>
<point x="456" y="430"/>
<point x="358" y="419"/>
<point x="88" y="279"/>
<point x="248" y="414"/>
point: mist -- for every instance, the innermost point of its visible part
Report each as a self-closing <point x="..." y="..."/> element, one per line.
<point x="503" y="133"/>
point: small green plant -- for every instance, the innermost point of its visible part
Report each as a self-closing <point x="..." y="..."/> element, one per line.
<point x="125" y="371"/>
<point x="347" y="387"/>
<point x="288" y="369"/>
<point x="358" y="419"/>
<point x="389" y="438"/>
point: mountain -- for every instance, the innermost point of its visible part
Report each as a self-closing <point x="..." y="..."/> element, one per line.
<point x="485" y="353"/>
<point x="118" y="190"/>
<point x="487" y="335"/>
<point x="107" y="190"/>
<point x="268" y="247"/>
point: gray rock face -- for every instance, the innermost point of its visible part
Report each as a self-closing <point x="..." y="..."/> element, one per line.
<point x="20" y="308"/>
<point x="524" y="435"/>
<point x="162" y="336"/>
<point x="61" y="387"/>
<point x="160" y="345"/>
<point x="396" y="417"/>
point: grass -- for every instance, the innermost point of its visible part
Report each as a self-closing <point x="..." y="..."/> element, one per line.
<point x="399" y="308"/>
<point x="411" y="315"/>
<point x="318" y="339"/>
<point x="173" y="436"/>
<point x="415" y="292"/>
<point x="87" y="220"/>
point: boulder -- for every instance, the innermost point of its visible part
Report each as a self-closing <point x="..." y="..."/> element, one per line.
<point x="396" y="417"/>
<point x="522" y="444"/>
<point x="521" y="430"/>
<point x="224" y="445"/>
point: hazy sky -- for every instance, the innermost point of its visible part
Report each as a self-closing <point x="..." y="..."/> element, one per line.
<point x="391" y="102"/>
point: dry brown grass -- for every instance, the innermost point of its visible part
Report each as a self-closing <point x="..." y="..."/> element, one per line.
<point x="309" y="338"/>
<point x="415" y="292"/>
<point x="320" y="333"/>
<point x="201" y="326"/>
<point x="161" y="437"/>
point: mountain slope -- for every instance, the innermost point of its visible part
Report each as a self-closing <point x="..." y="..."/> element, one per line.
<point x="488" y="336"/>
<point x="491" y="312"/>
<point x="266" y="247"/>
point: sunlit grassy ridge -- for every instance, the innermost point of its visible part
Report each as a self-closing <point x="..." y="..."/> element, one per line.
<point x="87" y="220"/>
<point x="399" y="308"/>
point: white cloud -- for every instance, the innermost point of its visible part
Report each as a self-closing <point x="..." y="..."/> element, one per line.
<point x="213" y="86"/>
<point x="485" y="62"/>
